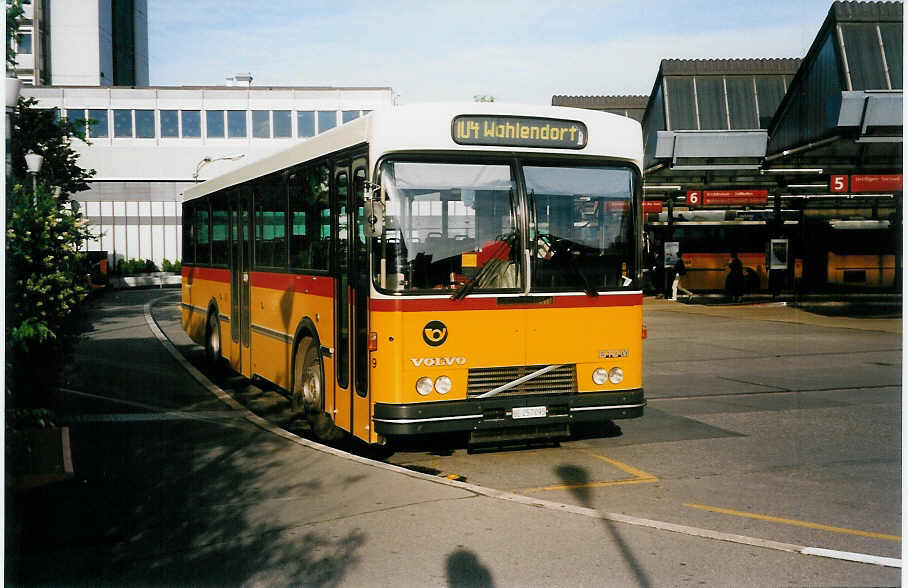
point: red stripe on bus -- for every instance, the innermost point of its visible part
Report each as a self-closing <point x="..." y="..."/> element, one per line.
<point x="212" y="274"/>
<point x="446" y="304"/>
<point x="317" y="285"/>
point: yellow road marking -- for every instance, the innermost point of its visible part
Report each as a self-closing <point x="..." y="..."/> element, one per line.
<point x="639" y="477"/>
<point x="796" y="523"/>
<point x="638" y="474"/>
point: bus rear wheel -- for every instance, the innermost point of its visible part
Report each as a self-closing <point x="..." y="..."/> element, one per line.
<point x="307" y="394"/>
<point x="213" y="340"/>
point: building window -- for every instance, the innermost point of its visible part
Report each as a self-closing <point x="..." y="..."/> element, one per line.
<point x="865" y="60"/>
<point x="76" y="118"/>
<point x="770" y="91"/>
<point x="236" y="123"/>
<point x="98" y="126"/>
<point x="282" y="126"/>
<point x="122" y="123"/>
<point x="170" y="123"/>
<point x="349" y="115"/>
<point x="327" y="120"/>
<point x="145" y="124"/>
<point x="742" y="104"/>
<point x="261" y="124"/>
<point x="892" y="46"/>
<point x="682" y="115"/>
<point x="24" y="44"/>
<point x="214" y="120"/>
<point x="711" y="102"/>
<point x="192" y="123"/>
<point x="305" y="122"/>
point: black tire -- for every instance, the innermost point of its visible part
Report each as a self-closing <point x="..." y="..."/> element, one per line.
<point x="308" y="390"/>
<point x="213" y="340"/>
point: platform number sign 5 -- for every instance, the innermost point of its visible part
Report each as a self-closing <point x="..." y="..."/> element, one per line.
<point x="693" y="197"/>
<point x="838" y="183"/>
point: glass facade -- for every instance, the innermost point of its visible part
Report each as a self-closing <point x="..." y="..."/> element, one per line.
<point x="170" y="123"/>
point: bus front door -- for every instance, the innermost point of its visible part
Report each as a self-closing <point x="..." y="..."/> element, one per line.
<point x="240" y="262"/>
<point x="351" y="398"/>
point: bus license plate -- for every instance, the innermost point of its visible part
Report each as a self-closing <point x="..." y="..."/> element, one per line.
<point x="528" y="412"/>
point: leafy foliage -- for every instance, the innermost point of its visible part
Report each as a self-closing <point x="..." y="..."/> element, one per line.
<point x="39" y="130"/>
<point x="136" y="266"/>
<point x="167" y="266"/>
<point x="45" y="280"/>
<point x="14" y="12"/>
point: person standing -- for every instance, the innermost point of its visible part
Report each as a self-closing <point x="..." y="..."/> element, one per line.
<point x="680" y="272"/>
<point x="734" y="284"/>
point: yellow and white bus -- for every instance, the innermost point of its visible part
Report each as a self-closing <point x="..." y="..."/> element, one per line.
<point x="431" y="268"/>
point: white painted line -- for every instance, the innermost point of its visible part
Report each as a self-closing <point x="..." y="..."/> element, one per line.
<point x="889" y="562"/>
<point x="508" y="496"/>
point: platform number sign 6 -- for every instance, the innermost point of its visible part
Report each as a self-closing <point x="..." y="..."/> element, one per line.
<point x="838" y="183"/>
<point x="693" y="197"/>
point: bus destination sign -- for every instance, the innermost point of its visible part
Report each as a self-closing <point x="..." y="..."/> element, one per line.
<point x="518" y="131"/>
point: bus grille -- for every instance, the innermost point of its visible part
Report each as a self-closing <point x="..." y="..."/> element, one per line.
<point x="562" y="380"/>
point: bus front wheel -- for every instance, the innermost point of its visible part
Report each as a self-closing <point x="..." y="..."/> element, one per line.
<point x="308" y="393"/>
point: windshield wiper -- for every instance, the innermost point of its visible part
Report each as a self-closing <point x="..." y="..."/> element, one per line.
<point x="467" y="288"/>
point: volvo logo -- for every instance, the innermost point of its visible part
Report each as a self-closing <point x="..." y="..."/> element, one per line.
<point x="434" y="333"/>
<point x="437" y="361"/>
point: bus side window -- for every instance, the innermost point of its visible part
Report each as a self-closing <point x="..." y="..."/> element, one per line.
<point x="310" y="218"/>
<point x="188" y="254"/>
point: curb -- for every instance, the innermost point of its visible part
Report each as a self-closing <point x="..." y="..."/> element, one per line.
<point x="499" y="494"/>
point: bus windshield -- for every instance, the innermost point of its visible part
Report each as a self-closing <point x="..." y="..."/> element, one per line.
<point x="447" y="225"/>
<point x="583" y="234"/>
<point x="455" y="227"/>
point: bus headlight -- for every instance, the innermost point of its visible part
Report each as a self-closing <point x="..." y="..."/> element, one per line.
<point x="600" y="376"/>
<point x="616" y="375"/>
<point x="443" y="385"/>
<point x="424" y="386"/>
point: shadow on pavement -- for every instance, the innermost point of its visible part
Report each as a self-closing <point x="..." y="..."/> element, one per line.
<point x="170" y="487"/>
<point x="578" y="480"/>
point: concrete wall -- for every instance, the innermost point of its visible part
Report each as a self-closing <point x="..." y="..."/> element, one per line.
<point x="134" y="203"/>
<point x="75" y="50"/>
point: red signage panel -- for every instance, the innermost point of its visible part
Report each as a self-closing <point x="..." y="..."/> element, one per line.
<point x="732" y="197"/>
<point x="650" y="206"/>
<point x="877" y="183"/>
<point x="838" y="183"/>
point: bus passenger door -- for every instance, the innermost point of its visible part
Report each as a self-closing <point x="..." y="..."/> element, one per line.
<point x="359" y="307"/>
<point x="240" y="262"/>
<point x="342" y="407"/>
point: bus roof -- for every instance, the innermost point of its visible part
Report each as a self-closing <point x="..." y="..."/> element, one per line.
<point x="430" y="127"/>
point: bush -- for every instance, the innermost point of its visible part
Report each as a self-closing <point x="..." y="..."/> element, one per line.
<point x="129" y="267"/>
<point x="174" y="267"/>
<point x="45" y="281"/>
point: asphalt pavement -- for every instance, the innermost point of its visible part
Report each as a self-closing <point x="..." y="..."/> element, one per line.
<point x="175" y="486"/>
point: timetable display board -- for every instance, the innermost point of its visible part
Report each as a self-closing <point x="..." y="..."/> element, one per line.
<point x="518" y="131"/>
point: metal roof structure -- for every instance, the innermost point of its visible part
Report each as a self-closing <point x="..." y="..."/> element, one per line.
<point x="844" y="107"/>
<point x="630" y="106"/>
<point x="712" y="113"/>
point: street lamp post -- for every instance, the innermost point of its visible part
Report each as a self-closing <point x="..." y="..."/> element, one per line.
<point x="33" y="163"/>
<point x="206" y="160"/>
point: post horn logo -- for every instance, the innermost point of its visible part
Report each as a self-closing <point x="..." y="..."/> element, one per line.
<point x="435" y="333"/>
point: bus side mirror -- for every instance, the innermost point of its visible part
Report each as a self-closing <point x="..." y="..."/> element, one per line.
<point x="373" y="218"/>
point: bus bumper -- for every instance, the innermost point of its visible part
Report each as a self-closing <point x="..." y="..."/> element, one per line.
<point x="498" y="412"/>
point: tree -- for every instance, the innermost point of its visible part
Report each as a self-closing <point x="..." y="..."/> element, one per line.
<point x="14" y="12"/>
<point x="39" y="130"/>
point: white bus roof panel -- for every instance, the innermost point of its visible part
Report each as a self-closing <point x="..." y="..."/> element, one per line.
<point x="428" y="127"/>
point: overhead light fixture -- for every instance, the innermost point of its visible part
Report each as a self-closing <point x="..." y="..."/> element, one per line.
<point x="783" y="170"/>
<point x="648" y="187"/>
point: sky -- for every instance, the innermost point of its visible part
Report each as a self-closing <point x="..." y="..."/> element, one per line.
<point x="431" y="51"/>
